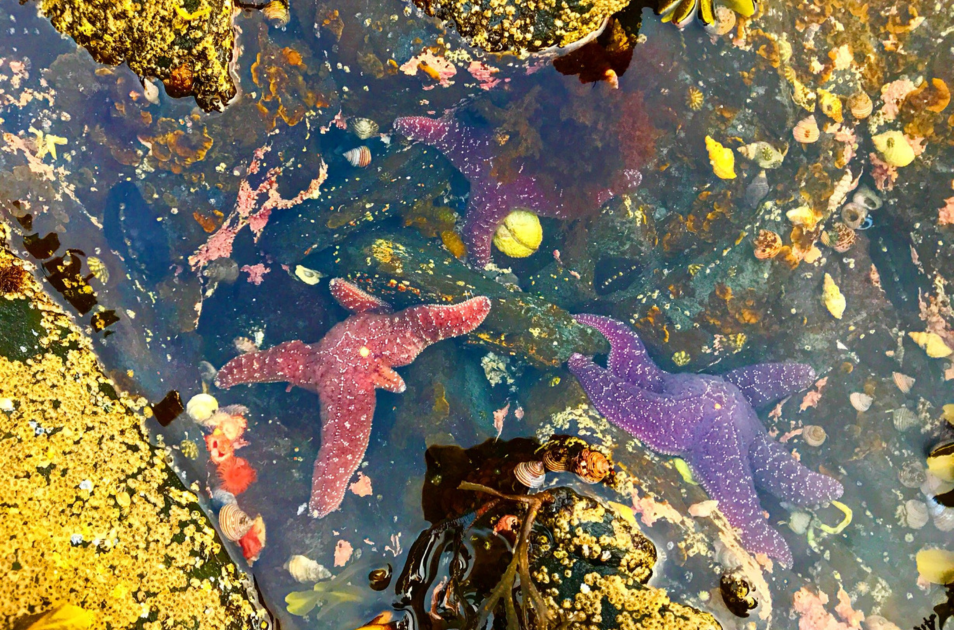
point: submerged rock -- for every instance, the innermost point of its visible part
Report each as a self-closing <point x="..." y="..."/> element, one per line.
<point x="186" y="45"/>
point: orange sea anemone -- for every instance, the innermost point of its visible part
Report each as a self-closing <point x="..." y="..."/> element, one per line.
<point x="254" y="541"/>
<point x="232" y="426"/>
<point x="236" y="475"/>
<point x="220" y="449"/>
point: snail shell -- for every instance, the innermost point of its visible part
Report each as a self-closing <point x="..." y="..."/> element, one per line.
<point x="304" y="569"/>
<point x="556" y="459"/>
<point x="530" y="474"/>
<point x="853" y="214"/>
<point x="814" y="435"/>
<point x="364" y="128"/>
<point x="359" y="157"/>
<point x="916" y="514"/>
<point x="592" y="466"/>
<point x="234" y="522"/>
<point x="380" y="578"/>
<point x="276" y="12"/>
<point x="911" y="474"/>
<point x="904" y="419"/>
<point x="944" y="520"/>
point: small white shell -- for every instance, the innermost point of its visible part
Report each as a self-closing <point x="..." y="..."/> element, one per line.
<point x="304" y="569"/>
<point x="234" y="522"/>
<point x="201" y="407"/>
<point x="308" y="276"/>
<point x="364" y="128"/>
<point x="903" y="381"/>
<point x="150" y="91"/>
<point x="945" y="520"/>
<point x="530" y="474"/>
<point x="916" y="514"/>
<point x="799" y="522"/>
<point x="860" y="401"/>
<point x="814" y="435"/>
<point x="904" y="419"/>
<point x="359" y="157"/>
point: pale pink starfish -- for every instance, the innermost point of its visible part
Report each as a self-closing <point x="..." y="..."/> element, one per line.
<point x="345" y="367"/>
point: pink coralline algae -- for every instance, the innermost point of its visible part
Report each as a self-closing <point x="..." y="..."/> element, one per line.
<point x="432" y="65"/>
<point x="256" y="273"/>
<point x="356" y="357"/>
<point x="946" y="214"/>
<point x="484" y="74"/>
<point x="893" y="95"/>
<point x="472" y="152"/>
<point x="883" y="173"/>
<point x="810" y="608"/>
<point x="249" y="212"/>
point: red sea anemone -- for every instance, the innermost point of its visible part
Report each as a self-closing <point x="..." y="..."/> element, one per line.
<point x="236" y="475"/>
<point x="220" y="449"/>
<point x="254" y="541"/>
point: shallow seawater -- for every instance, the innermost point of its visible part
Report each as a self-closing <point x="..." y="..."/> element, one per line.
<point x="696" y="192"/>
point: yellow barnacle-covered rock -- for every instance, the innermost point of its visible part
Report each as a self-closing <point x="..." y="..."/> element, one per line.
<point x="519" y="235"/>
<point x="932" y="344"/>
<point x="833" y="298"/>
<point x="722" y="159"/>
<point x="894" y="148"/>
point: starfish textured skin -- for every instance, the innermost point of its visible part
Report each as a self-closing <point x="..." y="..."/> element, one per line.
<point x="472" y="153"/>
<point x="356" y="357"/>
<point x="709" y="421"/>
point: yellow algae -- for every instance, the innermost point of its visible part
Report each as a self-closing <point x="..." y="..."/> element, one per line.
<point x="833" y="298"/>
<point x="519" y="235"/>
<point x="745" y="8"/>
<point x="845" y="521"/>
<point x="684" y="471"/>
<point x="894" y="148"/>
<point x="949" y="413"/>
<point x="932" y="344"/>
<point x="722" y="159"/>
<point x="936" y="565"/>
<point x="803" y="216"/>
<point x="64" y="617"/>
<point x="94" y="517"/>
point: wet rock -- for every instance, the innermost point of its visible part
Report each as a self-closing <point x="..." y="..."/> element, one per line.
<point x="186" y="45"/>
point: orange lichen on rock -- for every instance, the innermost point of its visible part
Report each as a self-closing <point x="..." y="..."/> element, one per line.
<point x="175" y="149"/>
<point x="286" y="81"/>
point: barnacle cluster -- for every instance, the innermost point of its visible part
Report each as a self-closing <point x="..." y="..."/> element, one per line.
<point x="93" y="516"/>
<point x="509" y="25"/>
<point x="187" y="45"/>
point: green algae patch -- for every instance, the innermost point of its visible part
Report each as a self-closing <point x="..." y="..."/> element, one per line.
<point x="186" y="45"/>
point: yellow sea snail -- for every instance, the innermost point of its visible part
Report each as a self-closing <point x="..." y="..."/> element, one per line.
<point x="519" y="235"/>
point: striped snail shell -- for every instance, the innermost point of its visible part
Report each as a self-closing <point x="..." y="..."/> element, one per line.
<point x="530" y="474"/>
<point x="359" y="157"/>
<point x="556" y="459"/>
<point x="364" y="128"/>
<point x="234" y="522"/>
<point x="591" y="466"/>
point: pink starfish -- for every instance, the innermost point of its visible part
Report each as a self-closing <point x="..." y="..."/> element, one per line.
<point x="345" y="367"/>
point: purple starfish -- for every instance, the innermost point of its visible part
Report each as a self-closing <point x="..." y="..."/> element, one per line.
<point x="710" y="421"/>
<point x="472" y="153"/>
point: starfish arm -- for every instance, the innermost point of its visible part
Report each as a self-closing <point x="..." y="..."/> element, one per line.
<point x="354" y="299"/>
<point x="628" y="358"/>
<point x="664" y="423"/>
<point x="485" y="211"/>
<point x="346" y="414"/>
<point x="765" y="383"/>
<point x="387" y="379"/>
<point x="431" y="323"/>
<point x="777" y="472"/>
<point x="286" y="362"/>
<point x="465" y="147"/>
<point x="718" y="464"/>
